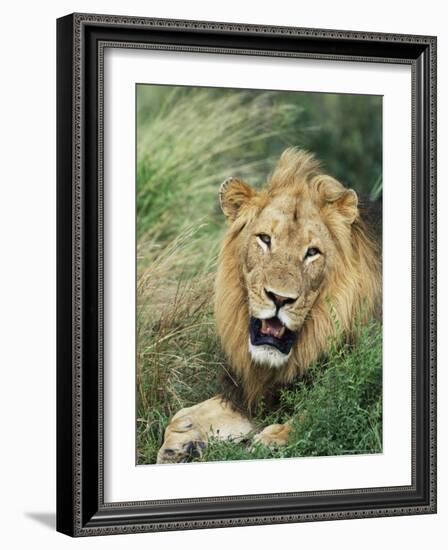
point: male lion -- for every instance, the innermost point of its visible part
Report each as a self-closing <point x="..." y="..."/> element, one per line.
<point x="296" y="270"/>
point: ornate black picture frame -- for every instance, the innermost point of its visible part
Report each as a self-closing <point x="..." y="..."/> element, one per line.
<point x="81" y="509"/>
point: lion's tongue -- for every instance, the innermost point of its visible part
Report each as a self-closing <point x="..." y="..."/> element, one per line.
<point x="272" y="327"/>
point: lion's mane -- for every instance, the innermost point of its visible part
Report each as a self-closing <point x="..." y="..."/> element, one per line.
<point x="351" y="292"/>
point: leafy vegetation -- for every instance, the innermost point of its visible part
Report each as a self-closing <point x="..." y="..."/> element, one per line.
<point x="188" y="141"/>
<point x="336" y="408"/>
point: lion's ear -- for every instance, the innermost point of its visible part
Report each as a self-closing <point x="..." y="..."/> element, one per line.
<point x="344" y="200"/>
<point x="233" y="195"/>
<point x="347" y="205"/>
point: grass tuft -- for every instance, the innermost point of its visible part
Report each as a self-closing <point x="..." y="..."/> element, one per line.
<point x="336" y="409"/>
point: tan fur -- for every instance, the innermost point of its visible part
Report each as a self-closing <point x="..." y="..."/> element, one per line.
<point x="274" y="435"/>
<point x="191" y="427"/>
<point x="299" y="195"/>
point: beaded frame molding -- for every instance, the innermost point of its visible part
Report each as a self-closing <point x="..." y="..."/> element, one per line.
<point x="81" y="39"/>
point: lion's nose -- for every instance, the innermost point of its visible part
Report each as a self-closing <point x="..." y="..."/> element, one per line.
<point x="278" y="299"/>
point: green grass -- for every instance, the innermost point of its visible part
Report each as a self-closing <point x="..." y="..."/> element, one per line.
<point x="192" y="144"/>
<point x="188" y="142"/>
<point x="336" y="409"/>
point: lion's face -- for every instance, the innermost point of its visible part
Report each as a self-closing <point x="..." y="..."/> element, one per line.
<point x="285" y="255"/>
<point x="286" y="252"/>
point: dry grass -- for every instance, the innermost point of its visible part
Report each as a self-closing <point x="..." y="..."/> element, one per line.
<point x="192" y="144"/>
<point x="178" y="357"/>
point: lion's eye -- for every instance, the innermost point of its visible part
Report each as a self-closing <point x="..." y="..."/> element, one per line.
<point x="313" y="251"/>
<point x="265" y="238"/>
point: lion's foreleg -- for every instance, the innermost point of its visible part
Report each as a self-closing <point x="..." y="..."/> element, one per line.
<point x="190" y="429"/>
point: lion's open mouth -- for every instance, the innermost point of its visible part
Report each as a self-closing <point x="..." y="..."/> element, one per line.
<point x="271" y="332"/>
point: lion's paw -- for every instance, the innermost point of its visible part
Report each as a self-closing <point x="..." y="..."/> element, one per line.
<point x="183" y="441"/>
<point x="273" y="435"/>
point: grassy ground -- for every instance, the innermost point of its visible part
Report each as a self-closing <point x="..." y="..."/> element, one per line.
<point x="187" y="143"/>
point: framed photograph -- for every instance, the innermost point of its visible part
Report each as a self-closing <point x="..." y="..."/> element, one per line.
<point x="246" y="274"/>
